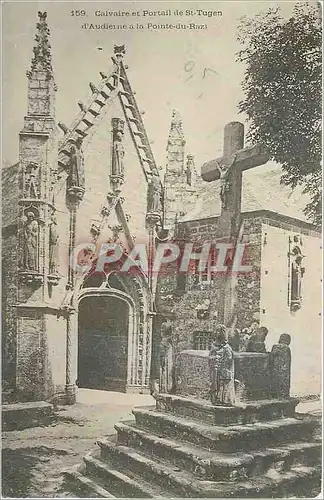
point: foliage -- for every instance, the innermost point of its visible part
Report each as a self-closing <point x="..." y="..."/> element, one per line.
<point x="283" y="91"/>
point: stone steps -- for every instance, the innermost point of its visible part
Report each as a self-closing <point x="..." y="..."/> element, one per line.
<point x="166" y="455"/>
<point x="173" y="479"/>
<point x="245" y="413"/>
<point x="217" y="466"/>
<point x="178" y="482"/>
<point x="228" y="439"/>
<point x="115" y="479"/>
<point x="18" y="416"/>
<point x="80" y="484"/>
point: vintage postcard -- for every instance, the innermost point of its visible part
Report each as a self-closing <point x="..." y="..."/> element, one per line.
<point x="161" y="249"/>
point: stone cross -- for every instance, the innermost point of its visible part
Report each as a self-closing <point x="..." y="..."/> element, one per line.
<point x="229" y="169"/>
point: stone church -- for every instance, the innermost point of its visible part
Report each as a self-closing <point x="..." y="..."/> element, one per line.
<point x="96" y="182"/>
<point x="281" y="292"/>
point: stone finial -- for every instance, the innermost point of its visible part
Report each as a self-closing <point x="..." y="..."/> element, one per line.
<point x="63" y="127"/>
<point x="82" y="106"/>
<point x="176" y="123"/>
<point x="93" y="88"/>
<point x="119" y="52"/>
<point x="190" y="161"/>
<point x="176" y="140"/>
<point x="42" y="59"/>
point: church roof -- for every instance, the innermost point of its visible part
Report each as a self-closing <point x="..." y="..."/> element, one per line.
<point x="261" y="190"/>
<point x="114" y="85"/>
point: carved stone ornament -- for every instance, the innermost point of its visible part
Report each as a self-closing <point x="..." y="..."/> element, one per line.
<point x="118" y="153"/>
<point x="154" y="193"/>
<point x="29" y="271"/>
<point x="119" y="51"/>
<point x="76" y="180"/>
<point x="42" y="60"/>
<point x="30" y="188"/>
<point x="53" y="276"/>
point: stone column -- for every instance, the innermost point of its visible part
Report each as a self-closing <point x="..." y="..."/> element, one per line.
<point x="74" y="194"/>
<point x="70" y="387"/>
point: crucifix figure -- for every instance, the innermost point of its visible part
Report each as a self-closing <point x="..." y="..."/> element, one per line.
<point x="224" y="175"/>
<point x="229" y="169"/>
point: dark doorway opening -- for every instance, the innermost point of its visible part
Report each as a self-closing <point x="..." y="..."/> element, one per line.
<point x="102" y="343"/>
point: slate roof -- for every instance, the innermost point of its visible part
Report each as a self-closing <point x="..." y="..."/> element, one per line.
<point x="261" y="191"/>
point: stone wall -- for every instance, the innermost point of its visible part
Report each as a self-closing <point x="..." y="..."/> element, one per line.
<point x="247" y="286"/>
<point x="304" y="324"/>
<point x="253" y="379"/>
<point x="9" y="312"/>
<point x="9" y="275"/>
<point x="182" y="298"/>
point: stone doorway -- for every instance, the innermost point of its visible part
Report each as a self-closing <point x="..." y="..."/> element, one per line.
<point x="103" y="334"/>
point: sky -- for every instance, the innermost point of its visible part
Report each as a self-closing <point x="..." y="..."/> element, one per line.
<point x="192" y="71"/>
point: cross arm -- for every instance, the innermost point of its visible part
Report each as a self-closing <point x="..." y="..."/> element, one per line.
<point x="246" y="158"/>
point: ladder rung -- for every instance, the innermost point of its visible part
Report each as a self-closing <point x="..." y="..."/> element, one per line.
<point x="81" y="132"/>
<point x="125" y="94"/>
<point x="103" y="93"/>
<point x="142" y="146"/>
<point x="100" y="103"/>
<point x="118" y="76"/>
<point x="93" y="112"/>
<point x="110" y="86"/>
<point x="139" y="134"/>
<point x="134" y="120"/>
<point x="147" y="160"/>
<point x="89" y="124"/>
<point x="65" y="151"/>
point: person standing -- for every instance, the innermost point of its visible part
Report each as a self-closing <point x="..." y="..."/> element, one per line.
<point x="222" y="369"/>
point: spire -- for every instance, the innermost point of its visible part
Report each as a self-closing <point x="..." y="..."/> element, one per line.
<point x="176" y="144"/>
<point x="176" y="131"/>
<point x="42" y="59"/>
<point x="41" y="85"/>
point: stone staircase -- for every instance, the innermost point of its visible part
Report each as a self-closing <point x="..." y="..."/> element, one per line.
<point x="186" y="447"/>
<point x="18" y="416"/>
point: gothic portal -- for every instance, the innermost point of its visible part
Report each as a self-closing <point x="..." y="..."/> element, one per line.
<point x="103" y="326"/>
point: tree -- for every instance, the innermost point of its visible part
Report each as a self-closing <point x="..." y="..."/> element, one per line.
<point x="283" y="94"/>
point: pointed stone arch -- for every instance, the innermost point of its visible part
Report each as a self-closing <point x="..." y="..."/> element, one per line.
<point x="134" y="291"/>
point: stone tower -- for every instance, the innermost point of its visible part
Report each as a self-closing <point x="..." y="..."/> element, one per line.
<point x="30" y="273"/>
<point x="180" y="176"/>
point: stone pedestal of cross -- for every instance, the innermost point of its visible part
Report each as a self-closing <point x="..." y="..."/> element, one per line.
<point x="229" y="169"/>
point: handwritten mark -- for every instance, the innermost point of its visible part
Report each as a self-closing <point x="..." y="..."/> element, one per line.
<point x="189" y="66"/>
<point x="209" y="69"/>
